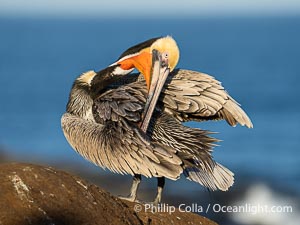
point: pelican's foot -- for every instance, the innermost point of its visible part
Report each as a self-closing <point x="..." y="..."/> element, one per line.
<point x="130" y="198"/>
<point x="156" y="202"/>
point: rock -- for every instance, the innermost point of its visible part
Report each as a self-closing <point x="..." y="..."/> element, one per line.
<point x="39" y="195"/>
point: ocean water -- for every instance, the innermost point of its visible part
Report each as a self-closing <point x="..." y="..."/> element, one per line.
<point x="257" y="60"/>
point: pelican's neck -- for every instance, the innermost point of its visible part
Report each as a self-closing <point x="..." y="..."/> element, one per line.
<point x="80" y="101"/>
<point x="86" y="88"/>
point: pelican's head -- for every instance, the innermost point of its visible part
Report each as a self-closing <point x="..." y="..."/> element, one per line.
<point x="140" y="56"/>
<point x="168" y="48"/>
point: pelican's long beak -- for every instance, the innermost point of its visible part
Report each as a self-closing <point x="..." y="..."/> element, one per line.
<point x="159" y="73"/>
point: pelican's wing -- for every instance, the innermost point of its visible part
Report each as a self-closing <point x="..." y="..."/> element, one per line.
<point x="192" y="95"/>
<point x="114" y="140"/>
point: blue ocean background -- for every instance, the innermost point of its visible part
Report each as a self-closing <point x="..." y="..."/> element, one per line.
<point x="256" y="58"/>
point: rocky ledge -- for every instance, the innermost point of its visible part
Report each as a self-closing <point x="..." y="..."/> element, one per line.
<point x="39" y="195"/>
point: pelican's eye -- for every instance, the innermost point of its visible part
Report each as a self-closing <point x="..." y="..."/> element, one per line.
<point x="165" y="55"/>
<point x="165" y="59"/>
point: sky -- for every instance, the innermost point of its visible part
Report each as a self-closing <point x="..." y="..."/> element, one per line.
<point x="150" y="8"/>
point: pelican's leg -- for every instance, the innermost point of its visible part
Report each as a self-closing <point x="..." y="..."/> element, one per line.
<point x="133" y="191"/>
<point x="160" y="187"/>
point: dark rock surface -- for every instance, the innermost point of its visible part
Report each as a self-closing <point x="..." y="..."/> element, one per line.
<point x="39" y="195"/>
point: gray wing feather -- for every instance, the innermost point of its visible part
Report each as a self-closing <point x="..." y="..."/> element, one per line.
<point x="194" y="147"/>
<point x="220" y="178"/>
<point x="122" y="102"/>
<point x="191" y="95"/>
<point x="118" y="147"/>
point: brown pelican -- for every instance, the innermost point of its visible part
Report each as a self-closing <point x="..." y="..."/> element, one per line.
<point x="105" y="117"/>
